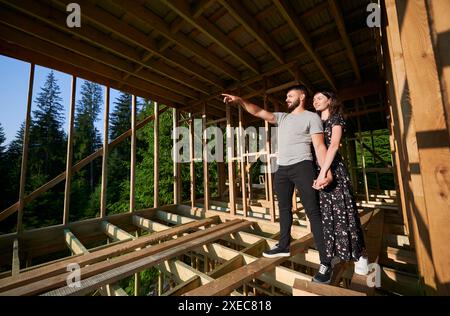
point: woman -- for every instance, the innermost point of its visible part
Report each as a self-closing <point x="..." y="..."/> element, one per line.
<point x="342" y="227"/>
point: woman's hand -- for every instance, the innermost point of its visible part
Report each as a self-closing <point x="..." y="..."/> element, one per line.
<point x="322" y="181"/>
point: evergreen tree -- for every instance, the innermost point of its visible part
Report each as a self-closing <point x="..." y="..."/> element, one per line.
<point x="2" y="140"/>
<point x="47" y="156"/>
<point x="87" y="140"/>
<point x="119" y="157"/>
<point x="47" y="137"/>
<point x="3" y="170"/>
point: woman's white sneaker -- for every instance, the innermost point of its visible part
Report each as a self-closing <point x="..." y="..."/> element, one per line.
<point x="362" y="266"/>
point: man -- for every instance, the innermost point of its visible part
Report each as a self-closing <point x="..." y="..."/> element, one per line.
<point x="297" y="129"/>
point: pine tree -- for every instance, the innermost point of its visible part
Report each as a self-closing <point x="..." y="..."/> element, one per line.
<point x="119" y="158"/>
<point x="87" y="140"/>
<point x="2" y="140"/>
<point x="3" y="169"/>
<point x="47" y="156"/>
<point x="47" y="137"/>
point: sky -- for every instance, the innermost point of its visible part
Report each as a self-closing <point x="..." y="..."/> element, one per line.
<point x="14" y="81"/>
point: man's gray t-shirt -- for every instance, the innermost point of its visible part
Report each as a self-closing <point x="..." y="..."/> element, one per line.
<point x="294" y="136"/>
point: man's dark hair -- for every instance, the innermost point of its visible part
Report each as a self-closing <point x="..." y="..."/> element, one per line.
<point x="299" y="87"/>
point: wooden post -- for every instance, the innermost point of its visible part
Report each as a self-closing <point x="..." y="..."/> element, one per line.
<point x="105" y="154"/>
<point x="432" y="133"/>
<point x="192" y="158"/>
<point x="269" y="165"/>
<point x="221" y="171"/>
<point x="206" y="194"/>
<point x="133" y="154"/>
<point x="363" y="158"/>
<point x="69" y="152"/>
<point x="241" y="145"/>
<point x="176" y="165"/>
<point x="160" y="283"/>
<point x="26" y="138"/>
<point x="230" y="151"/>
<point x="156" y="157"/>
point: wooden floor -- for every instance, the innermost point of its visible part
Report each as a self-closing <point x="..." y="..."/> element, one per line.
<point x="213" y="253"/>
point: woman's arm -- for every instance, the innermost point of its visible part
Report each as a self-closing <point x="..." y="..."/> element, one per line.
<point x="336" y="136"/>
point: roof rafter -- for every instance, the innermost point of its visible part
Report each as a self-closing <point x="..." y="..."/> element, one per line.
<point x="288" y="12"/>
<point x="339" y="19"/>
<point x="138" y="10"/>
<point x="253" y="27"/>
<point x="120" y="28"/>
<point x="214" y="33"/>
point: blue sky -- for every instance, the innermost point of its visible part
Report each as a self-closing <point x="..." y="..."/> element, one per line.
<point x="14" y="77"/>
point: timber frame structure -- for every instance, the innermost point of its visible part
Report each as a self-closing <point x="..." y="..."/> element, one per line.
<point x="184" y="54"/>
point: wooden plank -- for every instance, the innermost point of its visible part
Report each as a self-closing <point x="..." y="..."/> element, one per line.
<point x="136" y="9"/>
<point x="15" y="258"/>
<point x="302" y="286"/>
<point x="227" y="283"/>
<point x="73" y="243"/>
<point x="173" y="218"/>
<point x="176" y="164"/>
<point x="191" y="158"/>
<point x="133" y="155"/>
<point x="288" y="13"/>
<point x="60" y="266"/>
<point x="241" y="146"/>
<point x="104" y="184"/>
<point x="156" y="156"/>
<point x="184" y="287"/>
<point x="23" y="166"/>
<point x="182" y="8"/>
<point x="67" y="189"/>
<point x="114" y="270"/>
<point x="115" y="232"/>
<point x="227" y="267"/>
<point x="431" y="132"/>
<point x="230" y="153"/>
<point x="148" y="225"/>
<point x="269" y="165"/>
<point x="336" y="12"/>
<point x="373" y="240"/>
<point x="206" y="193"/>
<point x="254" y="28"/>
<point x="92" y="35"/>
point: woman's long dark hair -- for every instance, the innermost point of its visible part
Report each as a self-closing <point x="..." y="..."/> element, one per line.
<point x="335" y="104"/>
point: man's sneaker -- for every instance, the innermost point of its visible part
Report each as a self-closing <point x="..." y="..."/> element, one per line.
<point x="362" y="266"/>
<point x="277" y="252"/>
<point x="324" y="275"/>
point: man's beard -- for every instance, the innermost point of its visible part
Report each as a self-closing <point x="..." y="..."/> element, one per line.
<point x="294" y="105"/>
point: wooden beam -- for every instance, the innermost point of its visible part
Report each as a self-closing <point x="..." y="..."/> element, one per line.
<point x="238" y="11"/>
<point x="60" y="266"/>
<point x="148" y="225"/>
<point x="193" y="187"/>
<point x="241" y="147"/>
<point x="176" y="165"/>
<point x="156" y="156"/>
<point x="182" y="8"/>
<point x="93" y="36"/>
<point x="139" y="11"/>
<point x="336" y="12"/>
<point x="67" y="190"/>
<point x="431" y="131"/>
<point x="269" y="164"/>
<point x="227" y="267"/>
<point x="97" y="16"/>
<point x="61" y="39"/>
<point x="230" y="154"/>
<point x="302" y="286"/>
<point x="15" y="269"/>
<point x="407" y="149"/>
<point x="23" y="166"/>
<point x="224" y="285"/>
<point x="78" y="166"/>
<point x="288" y="13"/>
<point x="73" y="243"/>
<point x="111" y="271"/>
<point x="55" y="52"/>
<point x="133" y="154"/>
<point x="104" y="184"/>
<point x="206" y="193"/>
<point x="184" y="287"/>
<point x="115" y="232"/>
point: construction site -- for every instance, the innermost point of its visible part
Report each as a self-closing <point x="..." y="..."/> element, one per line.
<point x="389" y="63"/>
